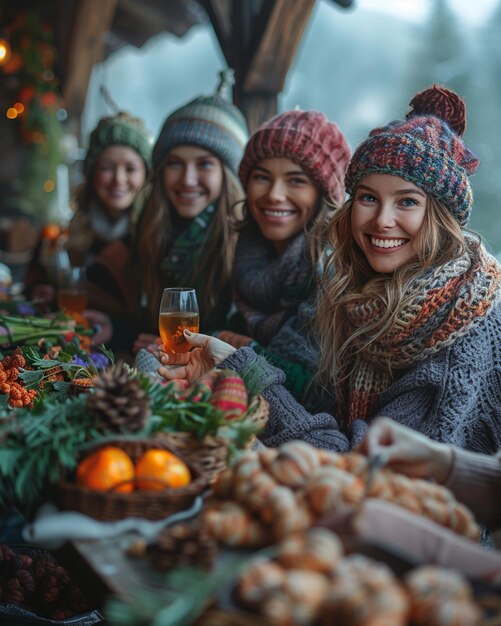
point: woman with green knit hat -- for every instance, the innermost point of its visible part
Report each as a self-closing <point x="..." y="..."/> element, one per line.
<point x="100" y="232"/>
<point x="116" y="165"/>
<point x="184" y="235"/>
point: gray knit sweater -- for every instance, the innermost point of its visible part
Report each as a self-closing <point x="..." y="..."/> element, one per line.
<point x="453" y="396"/>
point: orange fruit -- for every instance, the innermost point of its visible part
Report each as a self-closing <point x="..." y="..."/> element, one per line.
<point x="51" y="231"/>
<point x="164" y="468"/>
<point x="105" y="468"/>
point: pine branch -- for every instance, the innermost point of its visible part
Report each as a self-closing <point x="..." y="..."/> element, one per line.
<point x="37" y="444"/>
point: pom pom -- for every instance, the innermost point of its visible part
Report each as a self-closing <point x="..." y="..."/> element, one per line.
<point x="442" y="103"/>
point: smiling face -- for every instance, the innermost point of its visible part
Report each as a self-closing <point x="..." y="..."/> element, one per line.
<point x="192" y="178"/>
<point x="118" y="175"/>
<point x="386" y="216"/>
<point x="281" y="198"/>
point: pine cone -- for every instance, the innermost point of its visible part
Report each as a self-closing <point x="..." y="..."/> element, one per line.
<point x="181" y="545"/>
<point x="118" y="400"/>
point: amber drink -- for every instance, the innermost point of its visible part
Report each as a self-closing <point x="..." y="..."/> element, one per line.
<point x="172" y="325"/>
<point x="72" y="289"/>
<point x="75" y="301"/>
<point x="178" y="312"/>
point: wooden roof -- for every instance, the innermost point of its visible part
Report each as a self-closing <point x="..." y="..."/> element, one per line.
<point x="258" y="38"/>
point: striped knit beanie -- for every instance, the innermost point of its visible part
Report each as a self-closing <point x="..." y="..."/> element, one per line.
<point x="211" y="122"/>
<point x="121" y="129"/>
<point x="308" y="139"/>
<point x="425" y="149"/>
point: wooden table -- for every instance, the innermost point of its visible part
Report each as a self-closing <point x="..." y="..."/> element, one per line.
<point x="103" y="568"/>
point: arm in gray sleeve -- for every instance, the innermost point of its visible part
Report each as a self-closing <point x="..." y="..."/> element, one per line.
<point x="288" y="420"/>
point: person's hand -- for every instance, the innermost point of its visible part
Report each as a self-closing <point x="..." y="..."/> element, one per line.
<point x="148" y="342"/>
<point x="101" y="325"/>
<point x="407" y="451"/>
<point x="43" y="295"/>
<point x="207" y="352"/>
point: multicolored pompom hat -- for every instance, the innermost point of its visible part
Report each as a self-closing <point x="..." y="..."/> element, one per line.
<point x="426" y="149"/>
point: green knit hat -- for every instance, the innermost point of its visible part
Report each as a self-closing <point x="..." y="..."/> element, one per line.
<point x="211" y="122"/>
<point x="121" y="129"/>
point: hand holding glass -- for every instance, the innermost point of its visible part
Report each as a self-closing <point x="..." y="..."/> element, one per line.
<point x="178" y="312"/>
<point x="72" y="289"/>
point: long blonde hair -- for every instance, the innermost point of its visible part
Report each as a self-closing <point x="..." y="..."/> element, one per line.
<point x="348" y="278"/>
<point x="155" y="236"/>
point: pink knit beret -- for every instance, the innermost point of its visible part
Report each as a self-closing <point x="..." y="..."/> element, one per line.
<point x="308" y="139"/>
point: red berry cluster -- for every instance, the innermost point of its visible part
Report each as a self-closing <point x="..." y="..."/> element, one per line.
<point x="19" y="396"/>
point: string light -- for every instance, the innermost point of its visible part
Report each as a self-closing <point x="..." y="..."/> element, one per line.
<point x="5" y="51"/>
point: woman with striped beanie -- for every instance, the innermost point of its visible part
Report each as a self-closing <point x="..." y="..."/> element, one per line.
<point x="409" y="308"/>
<point x="185" y="239"/>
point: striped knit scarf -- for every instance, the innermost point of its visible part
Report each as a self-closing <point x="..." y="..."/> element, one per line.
<point x="269" y="288"/>
<point x="180" y="266"/>
<point x="444" y="304"/>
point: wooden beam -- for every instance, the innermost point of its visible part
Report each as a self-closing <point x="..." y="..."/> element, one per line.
<point x="219" y="12"/>
<point x="145" y="15"/>
<point x="257" y="108"/>
<point x="87" y="44"/>
<point x="273" y="56"/>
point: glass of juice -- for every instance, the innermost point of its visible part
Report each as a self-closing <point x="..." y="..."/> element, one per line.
<point x="178" y="311"/>
<point x="72" y="289"/>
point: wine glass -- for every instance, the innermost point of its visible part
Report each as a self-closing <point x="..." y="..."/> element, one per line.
<point x="72" y="289"/>
<point x="178" y="312"/>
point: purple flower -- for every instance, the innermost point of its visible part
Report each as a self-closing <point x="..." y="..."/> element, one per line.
<point x="76" y="360"/>
<point x="100" y="360"/>
<point x="25" y="308"/>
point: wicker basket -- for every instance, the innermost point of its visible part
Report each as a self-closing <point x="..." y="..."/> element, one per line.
<point x="259" y="411"/>
<point x="111" y="505"/>
<point x="211" y="453"/>
<point x="208" y="454"/>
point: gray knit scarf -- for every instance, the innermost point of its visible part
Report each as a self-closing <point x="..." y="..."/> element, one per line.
<point x="445" y="303"/>
<point x="268" y="288"/>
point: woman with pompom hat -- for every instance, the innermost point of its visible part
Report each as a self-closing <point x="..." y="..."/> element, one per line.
<point x="184" y="235"/>
<point x="409" y="309"/>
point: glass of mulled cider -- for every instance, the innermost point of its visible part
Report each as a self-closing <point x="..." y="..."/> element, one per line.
<point x="178" y="311"/>
<point x="72" y="289"/>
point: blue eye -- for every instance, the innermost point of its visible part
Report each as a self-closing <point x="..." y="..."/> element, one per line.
<point x="205" y="165"/>
<point x="366" y="197"/>
<point x="409" y="202"/>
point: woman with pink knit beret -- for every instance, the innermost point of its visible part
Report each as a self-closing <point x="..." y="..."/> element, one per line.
<point x="292" y="172"/>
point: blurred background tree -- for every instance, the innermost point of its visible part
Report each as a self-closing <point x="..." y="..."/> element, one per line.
<point x="36" y="114"/>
